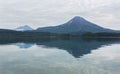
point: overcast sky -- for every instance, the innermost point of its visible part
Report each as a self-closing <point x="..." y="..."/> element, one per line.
<point x="41" y="13"/>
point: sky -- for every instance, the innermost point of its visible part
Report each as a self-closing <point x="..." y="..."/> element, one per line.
<point x="42" y="13"/>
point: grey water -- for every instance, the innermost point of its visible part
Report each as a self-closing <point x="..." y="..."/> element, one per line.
<point x="60" y="57"/>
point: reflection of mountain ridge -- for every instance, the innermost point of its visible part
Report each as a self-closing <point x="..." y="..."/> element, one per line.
<point x="75" y="47"/>
<point x="24" y="45"/>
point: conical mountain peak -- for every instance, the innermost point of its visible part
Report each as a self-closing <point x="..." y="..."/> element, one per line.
<point x="76" y="24"/>
<point x="77" y="19"/>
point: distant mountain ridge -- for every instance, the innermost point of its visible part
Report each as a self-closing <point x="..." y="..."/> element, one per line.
<point x="24" y="28"/>
<point x="75" y="25"/>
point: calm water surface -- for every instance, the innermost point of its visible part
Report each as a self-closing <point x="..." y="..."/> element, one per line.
<point x="60" y="57"/>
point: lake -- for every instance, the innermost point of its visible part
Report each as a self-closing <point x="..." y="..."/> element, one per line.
<point x="67" y="56"/>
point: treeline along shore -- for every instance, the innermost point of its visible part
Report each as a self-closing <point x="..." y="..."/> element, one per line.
<point x="34" y="35"/>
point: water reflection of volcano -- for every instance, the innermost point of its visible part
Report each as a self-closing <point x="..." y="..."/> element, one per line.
<point x="77" y="48"/>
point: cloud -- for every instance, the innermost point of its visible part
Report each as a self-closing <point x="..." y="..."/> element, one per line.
<point x="39" y="13"/>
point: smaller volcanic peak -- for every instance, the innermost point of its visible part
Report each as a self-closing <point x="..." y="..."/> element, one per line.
<point x="24" y="28"/>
